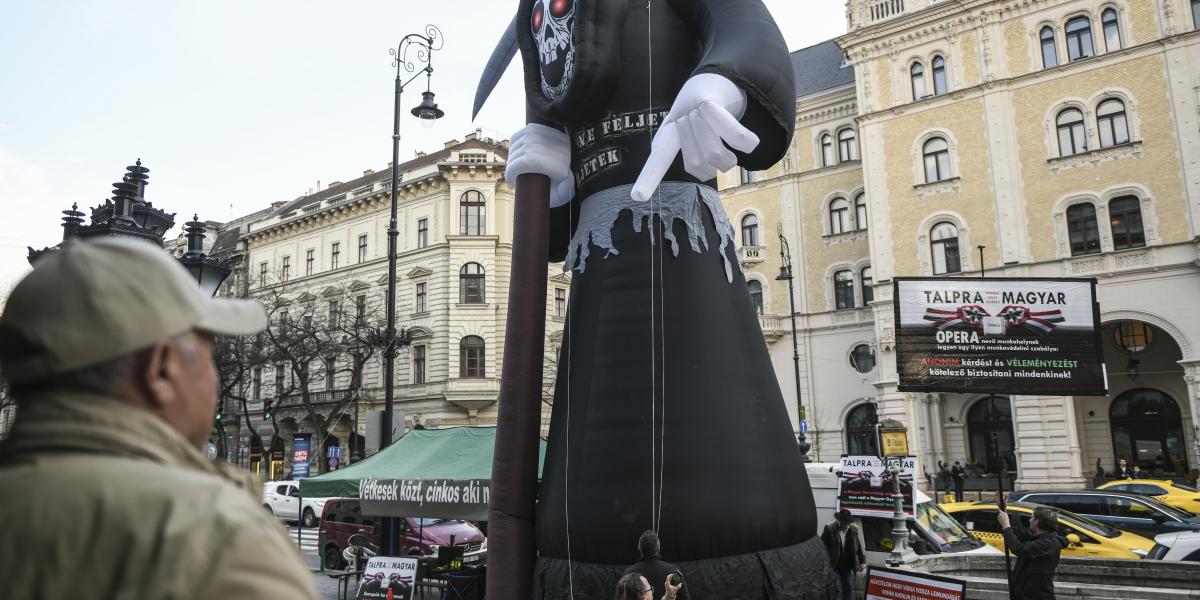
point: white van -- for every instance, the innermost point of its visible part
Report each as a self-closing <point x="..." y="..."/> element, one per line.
<point x="931" y="531"/>
<point x="282" y="499"/>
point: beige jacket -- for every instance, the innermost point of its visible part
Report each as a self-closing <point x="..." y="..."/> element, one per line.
<point x="102" y="500"/>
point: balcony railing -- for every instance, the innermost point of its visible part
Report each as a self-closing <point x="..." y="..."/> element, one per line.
<point x="751" y="254"/>
<point x="869" y="12"/>
<point x="317" y="398"/>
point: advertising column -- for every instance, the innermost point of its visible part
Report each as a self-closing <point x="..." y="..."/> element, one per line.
<point x="301" y="444"/>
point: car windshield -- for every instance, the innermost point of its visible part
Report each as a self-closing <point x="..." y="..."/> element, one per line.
<point x="1090" y="526"/>
<point x="1178" y="513"/>
<point x="943" y="527"/>
<point x="431" y="522"/>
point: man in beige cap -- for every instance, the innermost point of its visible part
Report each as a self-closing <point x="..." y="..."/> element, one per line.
<point x="104" y="492"/>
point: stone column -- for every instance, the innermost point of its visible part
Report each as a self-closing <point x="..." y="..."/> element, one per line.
<point x="927" y="455"/>
<point x="939" y="436"/>
<point x="1047" y="443"/>
<point x="1191" y="375"/>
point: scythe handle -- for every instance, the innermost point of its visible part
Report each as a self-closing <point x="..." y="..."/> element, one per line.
<point x="511" y="548"/>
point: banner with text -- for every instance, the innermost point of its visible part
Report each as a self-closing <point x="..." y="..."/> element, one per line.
<point x="445" y="498"/>
<point x="890" y="584"/>
<point x="388" y="577"/>
<point x="866" y="488"/>
<point x="999" y="336"/>
<point x="301" y="445"/>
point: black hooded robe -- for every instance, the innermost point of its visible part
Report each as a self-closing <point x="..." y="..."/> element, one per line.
<point x="667" y="412"/>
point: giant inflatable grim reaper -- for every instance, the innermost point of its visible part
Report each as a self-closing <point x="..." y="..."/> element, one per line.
<point x="667" y="413"/>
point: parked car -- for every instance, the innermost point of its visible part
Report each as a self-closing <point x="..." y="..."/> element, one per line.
<point x="282" y="499"/>
<point x="931" y="531"/>
<point x="1176" y="546"/>
<point x="1087" y="537"/>
<point x="343" y="518"/>
<point x="1134" y="513"/>
<point x="1184" y="497"/>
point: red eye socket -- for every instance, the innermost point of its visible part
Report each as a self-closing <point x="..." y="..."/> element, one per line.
<point x="559" y="8"/>
<point x="538" y="14"/>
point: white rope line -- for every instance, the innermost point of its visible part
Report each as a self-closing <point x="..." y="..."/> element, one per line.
<point x="653" y="230"/>
<point x="567" y="463"/>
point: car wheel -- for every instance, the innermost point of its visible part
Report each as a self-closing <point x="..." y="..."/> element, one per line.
<point x="309" y="520"/>
<point x="331" y="559"/>
<point x="269" y="511"/>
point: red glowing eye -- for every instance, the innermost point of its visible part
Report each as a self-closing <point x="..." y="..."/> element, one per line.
<point x="559" y="8"/>
<point x="538" y="15"/>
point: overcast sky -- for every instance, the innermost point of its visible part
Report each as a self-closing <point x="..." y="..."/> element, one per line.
<point x="233" y="105"/>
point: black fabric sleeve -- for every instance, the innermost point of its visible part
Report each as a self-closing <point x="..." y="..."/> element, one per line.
<point x="743" y="44"/>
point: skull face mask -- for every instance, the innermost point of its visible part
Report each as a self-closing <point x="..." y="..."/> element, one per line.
<point x="553" y="25"/>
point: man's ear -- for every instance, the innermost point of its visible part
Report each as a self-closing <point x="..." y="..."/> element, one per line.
<point x="157" y="374"/>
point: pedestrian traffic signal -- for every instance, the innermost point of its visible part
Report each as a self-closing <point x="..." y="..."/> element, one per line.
<point x="267" y="411"/>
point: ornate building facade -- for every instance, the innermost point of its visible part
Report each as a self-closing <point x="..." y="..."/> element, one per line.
<point x="1059" y="135"/>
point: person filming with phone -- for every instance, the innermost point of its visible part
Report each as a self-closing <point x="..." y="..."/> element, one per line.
<point x="656" y="570"/>
<point x="1037" y="550"/>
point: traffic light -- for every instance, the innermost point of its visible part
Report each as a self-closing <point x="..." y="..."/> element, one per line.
<point x="267" y="416"/>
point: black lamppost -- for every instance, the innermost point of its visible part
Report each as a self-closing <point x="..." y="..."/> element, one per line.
<point x="208" y="271"/>
<point x="785" y="274"/>
<point x="428" y="112"/>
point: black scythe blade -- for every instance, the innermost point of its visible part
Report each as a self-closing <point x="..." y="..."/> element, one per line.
<point x="505" y="50"/>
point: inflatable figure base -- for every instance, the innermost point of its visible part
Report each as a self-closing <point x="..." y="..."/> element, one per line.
<point x="799" y="572"/>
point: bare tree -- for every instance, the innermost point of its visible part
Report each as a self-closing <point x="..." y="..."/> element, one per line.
<point x="319" y="345"/>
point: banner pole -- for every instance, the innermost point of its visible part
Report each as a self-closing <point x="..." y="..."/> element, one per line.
<point x="1000" y="501"/>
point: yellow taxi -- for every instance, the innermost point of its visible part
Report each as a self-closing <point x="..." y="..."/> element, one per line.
<point x="1086" y="537"/>
<point x="1180" y="496"/>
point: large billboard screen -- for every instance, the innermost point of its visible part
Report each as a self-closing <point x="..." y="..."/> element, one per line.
<point x="999" y="336"/>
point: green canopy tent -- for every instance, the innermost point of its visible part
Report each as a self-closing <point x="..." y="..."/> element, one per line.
<point x="427" y="473"/>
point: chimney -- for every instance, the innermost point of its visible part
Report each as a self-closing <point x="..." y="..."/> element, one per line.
<point x="451" y="143"/>
<point x="419" y="153"/>
<point x="333" y="183"/>
<point x="368" y="171"/>
<point x="472" y="136"/>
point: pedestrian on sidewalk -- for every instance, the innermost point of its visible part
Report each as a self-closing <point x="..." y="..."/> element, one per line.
<point x="1037" y="550"/>
<point x="654" y="568"/>
<point x="959" y="474"/>
<point x="845" y="551"/>
<point x="107" y="347"/>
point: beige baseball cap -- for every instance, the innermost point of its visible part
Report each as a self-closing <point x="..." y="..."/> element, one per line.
<point x="92" y="301"/>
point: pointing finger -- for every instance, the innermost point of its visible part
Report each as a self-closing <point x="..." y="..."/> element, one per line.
<point x="663" y="150"/>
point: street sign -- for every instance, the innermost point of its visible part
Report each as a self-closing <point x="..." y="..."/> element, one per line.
<point x="804" y="427"/>
<point x="895" y="443"/>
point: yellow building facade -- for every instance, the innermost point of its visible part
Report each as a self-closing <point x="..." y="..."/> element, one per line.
<point x="1061" y="136"/>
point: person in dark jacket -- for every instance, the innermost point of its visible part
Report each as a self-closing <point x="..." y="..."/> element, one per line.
<point x="1037" y="550"/>
<point x="845" y="551"/>
<point x="1123" y="470"/>
<point x="959" y="474"/>
<point x="654" y="568"/>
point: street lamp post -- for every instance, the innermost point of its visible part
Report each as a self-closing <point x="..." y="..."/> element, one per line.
<point x="208" y="271"/>
<point x="785" y="274"/>
<point x="427" y="111"/>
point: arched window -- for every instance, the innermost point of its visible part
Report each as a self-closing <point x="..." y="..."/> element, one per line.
<point x="986" y="417"/>
<point x="470" y="357"/>
<point x="1147" y="430"/>
<point x="1079" y="39"/>
<point x="1082" y="229"/>
<point x="1112" y="30"/>
<point x="1072" y="139"/>
<point x="861" y="438"/>
<point x="471" y="284"/>
<point x="1112" y="123"/>
<point x="1133" y="336"/>
<point x="943" y="242"/>
<point x="843" y="290"/>
<point x="750" y="231"/>
<point x="826" y="150"/>
<point x="867" y="280"/>
<point x="937" y="160"/>
<point x="862" y="358"/>
<point x="847" y="145"/>
<point x="939" y="75"/>
<point x="860" y="212"/>
<point x="839" y="216"/>
<point x="917" y="74"/>
<point x="470" y="214"/>
<point x="1049" y="48"/>
<point x="756" y="295"/>
<point x="1125" y="214"/>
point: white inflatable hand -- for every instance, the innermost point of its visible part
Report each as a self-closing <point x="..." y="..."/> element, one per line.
<point x="545" y="151"/>
<point x="702" y="120"/>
